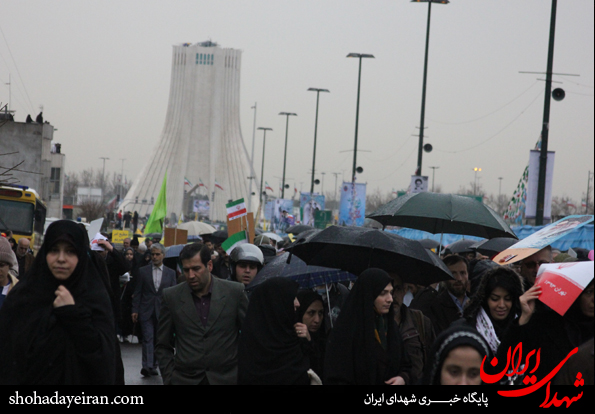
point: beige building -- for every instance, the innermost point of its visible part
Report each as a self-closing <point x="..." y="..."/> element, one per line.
<point x="26" y="149"/>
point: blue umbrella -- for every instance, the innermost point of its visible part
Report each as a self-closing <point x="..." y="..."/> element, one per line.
<point x="173" y="251"/>
<point x="296" y="269"/>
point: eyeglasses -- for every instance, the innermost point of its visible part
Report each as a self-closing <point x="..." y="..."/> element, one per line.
<point x="531" y="265"/>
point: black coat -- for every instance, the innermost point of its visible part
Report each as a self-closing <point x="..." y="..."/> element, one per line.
<point x="440" y="308"/>
<point x="66" y="345"/>
<point x="556" y="335"/>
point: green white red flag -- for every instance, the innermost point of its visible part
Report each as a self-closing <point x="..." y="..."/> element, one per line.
<point x="234" y="241"/>
<point x="236" y="209"/>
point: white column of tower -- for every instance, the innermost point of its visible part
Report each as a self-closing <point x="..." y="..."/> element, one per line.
<point x="201" y="137"/>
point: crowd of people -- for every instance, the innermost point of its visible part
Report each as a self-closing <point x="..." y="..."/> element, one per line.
<point x="209" y="319"/>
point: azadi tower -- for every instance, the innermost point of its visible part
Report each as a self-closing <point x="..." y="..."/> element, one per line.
<point x="201" y="141"/>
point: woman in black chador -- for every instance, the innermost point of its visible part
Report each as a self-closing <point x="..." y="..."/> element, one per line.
<point x="365" y="346"/>
<point x="57" y="326"/>
<point x="269" y="352"/>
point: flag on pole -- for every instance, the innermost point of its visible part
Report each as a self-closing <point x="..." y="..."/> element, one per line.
<point x="155" y="222"/>
<point x="234" y="241"/>
<point x="236" y="209"/>
<point x="218" y="185"/>
<point x="583" y="203"/>
<point x="267" y="186"/>
<point x="111" y="204"/>
<point x="201" y="184"/>
<point x="187" y="182"/>
<point x="570" y="204"/>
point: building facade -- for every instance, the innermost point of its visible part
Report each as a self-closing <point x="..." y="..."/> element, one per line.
<point x="28" y="157"/>
<point x="201" y="141"/>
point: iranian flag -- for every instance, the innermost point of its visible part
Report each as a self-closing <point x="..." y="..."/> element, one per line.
<point x="187" y="182"/>
<point x="234" y="241"/>
<point x="218" y="185"/>
<point x="236" y="209"/>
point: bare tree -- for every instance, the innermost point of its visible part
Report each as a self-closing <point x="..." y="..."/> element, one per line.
<point x="92" y="209"/>
<point x="377" y="199"/>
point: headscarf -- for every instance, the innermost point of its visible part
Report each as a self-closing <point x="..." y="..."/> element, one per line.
<point x="317" y="343"/>
<point x="269" y="351"/>
<point x="36" y="346"/>
<point x="477" y="312"/>
<point x="352" y="350"/>
<point x="457" y="335"/>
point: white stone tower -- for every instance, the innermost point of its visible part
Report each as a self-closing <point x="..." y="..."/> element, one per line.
<point x="201" y="140"/>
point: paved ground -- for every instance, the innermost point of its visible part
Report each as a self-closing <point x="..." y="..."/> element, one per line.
<point x="132" y="359"/>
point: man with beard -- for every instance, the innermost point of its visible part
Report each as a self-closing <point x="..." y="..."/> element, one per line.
<point x="447" y="306"/>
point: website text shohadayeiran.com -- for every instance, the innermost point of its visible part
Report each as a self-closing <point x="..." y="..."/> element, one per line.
<point x="33" y="398"/>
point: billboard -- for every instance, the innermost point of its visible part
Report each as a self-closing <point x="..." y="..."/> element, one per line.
<point x="352" y="210"/>
<point x="282" y="214"/>
<point x="309" y="204"/>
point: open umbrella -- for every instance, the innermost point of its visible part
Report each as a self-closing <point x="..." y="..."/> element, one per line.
<point x="429" y="243"/>
<point x="196" y="228"/>
<point x="273" y="236"/>
<point x="463" y="246"/>
<point x="298" y="228"/>
<point x="494" y="246"/>
<point x="355" y="249"/>
<point x="443" y="213"/>
<point x="173" y="251"/>
<point x="153" y="235"/>
<point x="291" y="266"/>
<point x="219" y="236"/>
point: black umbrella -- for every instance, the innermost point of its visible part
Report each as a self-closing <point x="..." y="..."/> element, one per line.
<point x="429" y="243"/>
<point x="218" y="237"/>
<point x="153" y="236"/>
<point x="355" y="249"/>
<point x="443" y="213"/>
<point x="291" y="266"/>
<point x="464" y="246"/>
<point x="298" y="228"/>
<point x="494" y="246"/>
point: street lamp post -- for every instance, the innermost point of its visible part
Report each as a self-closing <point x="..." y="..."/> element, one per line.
<point x="317" y="90"/>
<point x="500" y="187"/>
<point x="103" y="177"/>
<point x="359" y="78"/>
<point x="433" y="172"/>
<point x="252" y="175"/>
<point x="287" y="114"/>
<point x="262" y="170"/>
<point x="423" y="93"/>
<point x="476" y="169"/>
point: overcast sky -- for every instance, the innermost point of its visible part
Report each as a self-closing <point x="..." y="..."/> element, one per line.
<point x="101" y="71"/>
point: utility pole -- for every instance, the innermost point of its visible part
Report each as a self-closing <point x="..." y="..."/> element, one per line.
<point x="433" y="172"/>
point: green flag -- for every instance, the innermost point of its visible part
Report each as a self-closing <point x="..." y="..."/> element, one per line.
<point x="155" y="222"/>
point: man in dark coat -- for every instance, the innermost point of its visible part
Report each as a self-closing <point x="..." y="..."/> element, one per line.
<point x="146" y="303"/>
<point x="447" y="306"/>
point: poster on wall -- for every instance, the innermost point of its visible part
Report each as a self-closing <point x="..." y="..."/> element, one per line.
<point x="352" y="210"/>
